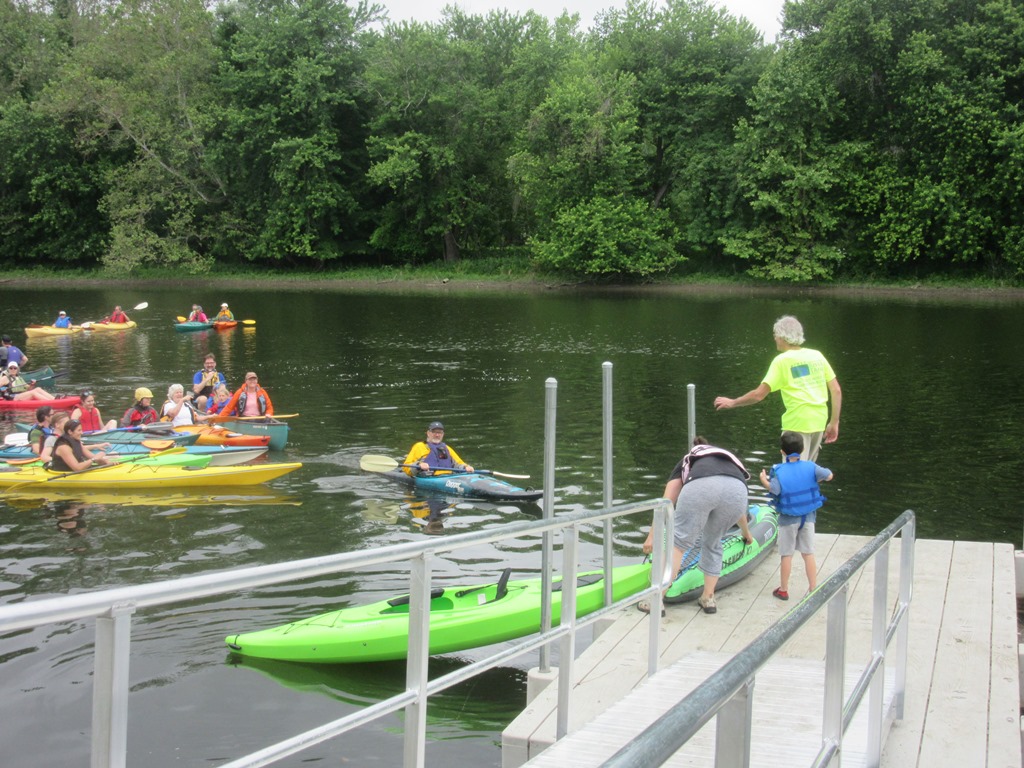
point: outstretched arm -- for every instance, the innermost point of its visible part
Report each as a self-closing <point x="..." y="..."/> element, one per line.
<point x="832" y="430"/>
<point x="753" y="396"/>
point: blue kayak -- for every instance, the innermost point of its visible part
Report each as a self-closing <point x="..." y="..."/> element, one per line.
<point x="470" y="485"/>
<point x="192" y="326"/>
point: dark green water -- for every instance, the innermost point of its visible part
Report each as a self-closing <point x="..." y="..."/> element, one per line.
<point x="932" y="397"/>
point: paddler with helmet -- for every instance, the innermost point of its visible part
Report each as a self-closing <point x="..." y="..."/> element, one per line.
<point x="142" y="411"/>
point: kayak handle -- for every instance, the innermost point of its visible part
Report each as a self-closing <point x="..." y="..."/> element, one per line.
<point x="404" y="599"/>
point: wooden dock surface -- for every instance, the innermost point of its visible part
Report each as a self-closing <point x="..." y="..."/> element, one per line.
<point x="962" y="701"/>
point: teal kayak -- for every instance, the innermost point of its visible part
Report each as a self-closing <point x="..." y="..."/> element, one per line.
<point x="471" y="485"/>
<point x="460" y="618"/>
<point x="192" y="326"/>
<point x="738" y="558"/>
<point x="277" y="431"/>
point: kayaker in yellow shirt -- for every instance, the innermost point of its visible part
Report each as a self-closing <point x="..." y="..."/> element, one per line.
<point x="433" y="455"/>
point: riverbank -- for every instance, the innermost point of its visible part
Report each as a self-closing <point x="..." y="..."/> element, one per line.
<point x="434" y="280"/>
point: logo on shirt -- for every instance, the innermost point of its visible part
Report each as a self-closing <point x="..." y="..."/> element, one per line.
<point x="799" y="371"/>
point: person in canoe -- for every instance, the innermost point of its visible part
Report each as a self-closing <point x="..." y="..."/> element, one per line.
<point x="221" y="396"/>
<point x="41" y="429"/>
<point x="433" y="455"/>
<point x="89" y="416"/>
<point x="70" y="454"/>
<point x="142" y="411"/>
<point x="225" y="314"/>
<point x="11" y="353"/>
<point x="197" y="315"/>
<point x="205" y="380"/>
<point x="14" y="387"/>
<point x="709" y="488"/>
<point x="117" y="316"/>
<point x="250" y="399"/>
<point x="62" y="321"/>
<point x="179" y="409"/>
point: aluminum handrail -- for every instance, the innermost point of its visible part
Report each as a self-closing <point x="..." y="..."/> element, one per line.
<point x="113" y="608"/>
<point x="731" y="687"/>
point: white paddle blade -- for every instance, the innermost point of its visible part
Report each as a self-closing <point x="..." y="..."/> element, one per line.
<point x="143" y="305"/>
<point x="16" y="438"/>
<point x="375" y="463"/>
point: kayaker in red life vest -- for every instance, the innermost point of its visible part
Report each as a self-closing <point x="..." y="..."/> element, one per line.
<point x="117" y="316"/>
<point x="433" y="455"/>
<point x="89" y="416"/>
<point x="250" y="399"/>
<point x="142" y="412"/>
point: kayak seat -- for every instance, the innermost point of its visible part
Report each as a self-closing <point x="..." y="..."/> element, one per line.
<point x="502" y="589"/>
<point x="404" y="599"/>
<point x="581" y="581"/>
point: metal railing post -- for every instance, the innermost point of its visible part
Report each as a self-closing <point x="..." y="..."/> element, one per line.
<point x="416" y="665"/>
<point x="550" y="411"/>
<point x="732" y="729"/>
<point x="691" y="414"/>
<point x="110" y="688"/>
<point x="609" y="463"/>
<point x="908" y="537"/>
<point x="661" y="563"/>
<point x="878" y="633"/>
<point x="835" y="669"/>
<point x="567" y="617"/>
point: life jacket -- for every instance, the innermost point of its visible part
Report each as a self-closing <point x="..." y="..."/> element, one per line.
<point x="136" y="415"/>
<point x="57" y="463"/>
<point x="38" y="435"/>
<point x="709" y="450"/>
<point x="800" y="494"/>
<point x="261" y="401"/>
<point x="118" y="317"/>
<point x="7" y="390"/>
<point x="440" y="456"/>
<point x="62" y="322"/>
<point x="90" y="420"/>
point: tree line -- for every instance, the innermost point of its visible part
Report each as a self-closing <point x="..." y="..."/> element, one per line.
<point x="875" y="138"/>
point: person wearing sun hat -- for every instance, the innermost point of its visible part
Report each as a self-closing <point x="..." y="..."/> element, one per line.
<point x="142" y="410"/>
<point x="14" y="387"/>
<point x="62" y="321"/>
<point x="225" y="314"/>
<point x="432" y="456"/>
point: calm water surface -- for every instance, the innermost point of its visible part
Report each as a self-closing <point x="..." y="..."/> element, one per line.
<point x="932" y="394"/>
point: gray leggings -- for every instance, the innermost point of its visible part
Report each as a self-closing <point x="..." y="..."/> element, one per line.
<point x="708" y="506"/>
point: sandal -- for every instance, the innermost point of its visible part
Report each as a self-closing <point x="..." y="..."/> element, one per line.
<point x="781" y="593"/>
<point x="644" y="606"/>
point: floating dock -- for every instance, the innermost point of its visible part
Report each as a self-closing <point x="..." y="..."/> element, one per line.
<point x="963" y="689"/>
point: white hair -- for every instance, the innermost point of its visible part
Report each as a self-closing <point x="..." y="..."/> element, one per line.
<point x="174" y="389"/>
<point x="788" y="329"/>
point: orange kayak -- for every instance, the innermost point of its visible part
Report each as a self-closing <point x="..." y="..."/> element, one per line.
<point x="223" y="325"/>
<point x="219" y="436"/>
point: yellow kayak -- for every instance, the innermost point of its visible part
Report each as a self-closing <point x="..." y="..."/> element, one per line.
<point x="144" y="476"/>
<point x="33" y="494"/>
<point x="35" y="331"/>
<point x="106" y="326"/>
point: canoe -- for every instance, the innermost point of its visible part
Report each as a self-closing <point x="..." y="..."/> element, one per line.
<point x="220" y="455"/>
<point x="224" y="325"/>
<point x="192" y="326"/>
<point x="470" y="485"/>
<point x="461" y="617"/>
<point x="207" y="435"/>
<point x="277" y="431"/>
<point x="36" y="331"/>
<point x="104" y="325"/>
<point x="737" y="559"/>
<point x="44" y="378"/>
<point x="131" y="476"/>
<point x="58" y="404"/>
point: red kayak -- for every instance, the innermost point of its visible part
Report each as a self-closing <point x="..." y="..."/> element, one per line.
<point x="223" y="325"/>
<point x="59" y="404"/>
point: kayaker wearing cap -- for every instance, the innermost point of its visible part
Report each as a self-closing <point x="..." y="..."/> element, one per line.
<point x="433" y="455"/>
<point x="14" y="387"/>
<point x="224" y="314"/>
<point x="142" y="411"/>
<point x="62" y="321"/>
<point x="250" y="399"/>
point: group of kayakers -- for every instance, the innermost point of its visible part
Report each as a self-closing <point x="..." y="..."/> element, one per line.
<point x="197" y="315"/>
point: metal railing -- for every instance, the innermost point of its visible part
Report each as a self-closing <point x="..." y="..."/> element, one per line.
<point x="728" y="693"/>
<point x="113" y="608"/>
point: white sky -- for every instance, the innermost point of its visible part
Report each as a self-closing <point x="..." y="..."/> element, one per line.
<point x="764" y="14"/>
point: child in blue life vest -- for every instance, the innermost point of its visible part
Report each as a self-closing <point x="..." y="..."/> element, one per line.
<point x="793" y="485"/>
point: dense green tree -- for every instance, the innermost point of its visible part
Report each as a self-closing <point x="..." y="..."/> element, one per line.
<point x="291" y="134"/>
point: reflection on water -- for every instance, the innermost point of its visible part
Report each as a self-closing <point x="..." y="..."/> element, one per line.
<point x="932" y="399"/>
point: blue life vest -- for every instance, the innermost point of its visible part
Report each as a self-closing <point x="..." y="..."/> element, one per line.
<point x="440" y="457"/>
<point x="261" y="401"/>
<point x="800" y="494"/>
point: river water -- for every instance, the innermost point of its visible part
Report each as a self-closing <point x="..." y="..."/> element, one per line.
<point x="931" y="422"/>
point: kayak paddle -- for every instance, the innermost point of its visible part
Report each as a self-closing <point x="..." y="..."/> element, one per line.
<point x="141" y="305"/>
<point x="377" y="463"/>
